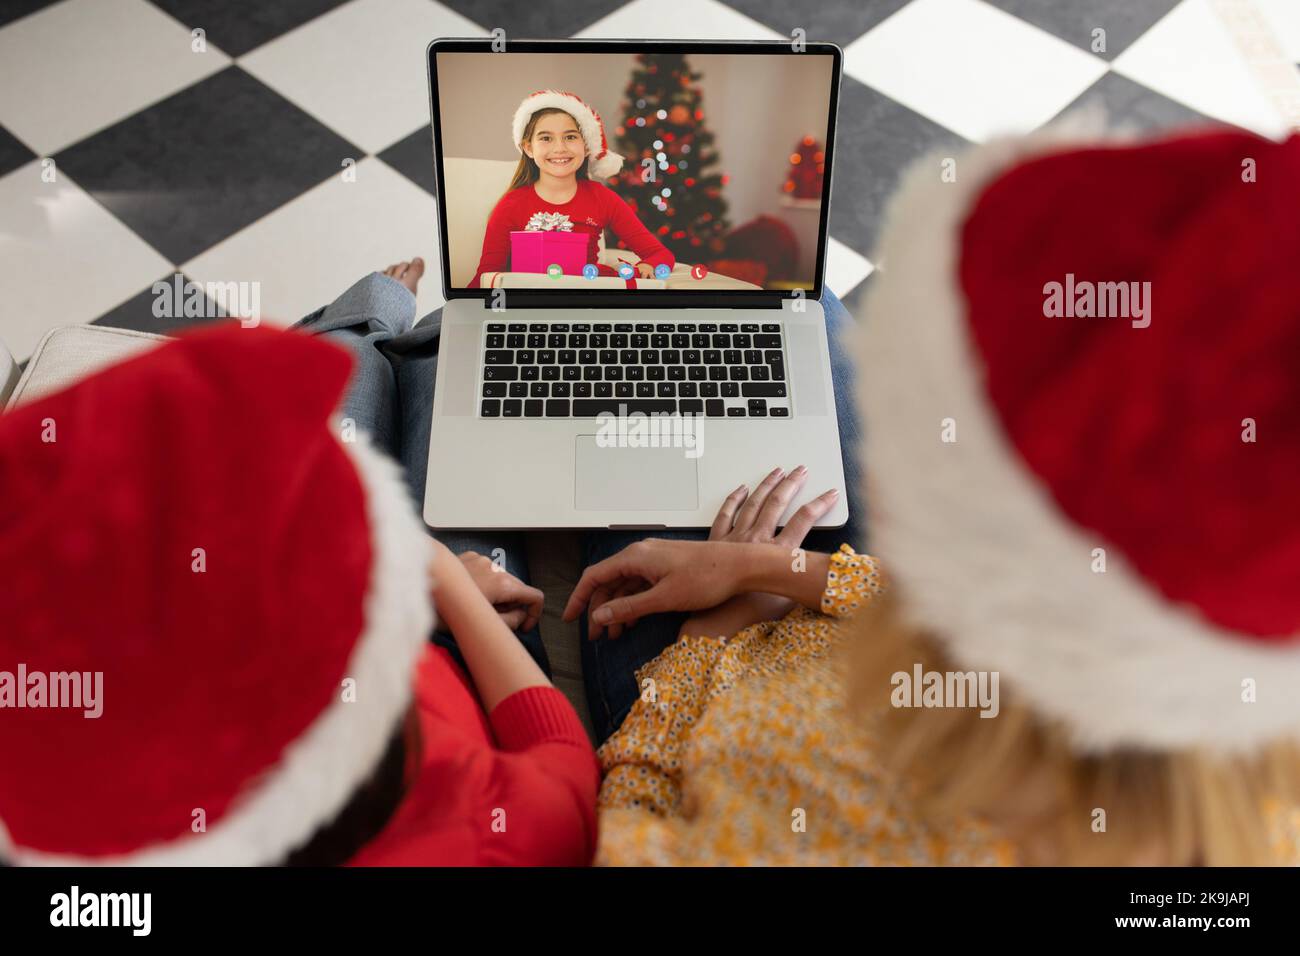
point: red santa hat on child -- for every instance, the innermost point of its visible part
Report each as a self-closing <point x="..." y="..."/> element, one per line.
<point x="249" y="581"/>
<point x="601" y="163"/>
<point x="1101" y="509"/>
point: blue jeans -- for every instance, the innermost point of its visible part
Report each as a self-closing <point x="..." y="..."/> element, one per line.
<point x="391" y="396"/>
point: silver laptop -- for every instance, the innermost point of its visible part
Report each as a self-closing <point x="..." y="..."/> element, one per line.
<point x="579" y="386"/>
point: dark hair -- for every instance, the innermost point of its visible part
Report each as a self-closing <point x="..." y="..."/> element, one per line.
<point x="364" y="815"/>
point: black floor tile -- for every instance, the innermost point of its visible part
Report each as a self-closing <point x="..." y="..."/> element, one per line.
<point x="138" y="313"/>
<point x="12" y="153"/>
<point x="413" y="158"/>
<point x="534" y="20"/>
<point x="1134" y="107"/>
<point x="1122" y="21"/>
<point x="841" y="23"/>
<point x="11" y="10"/>
<point x="238" y="26"/>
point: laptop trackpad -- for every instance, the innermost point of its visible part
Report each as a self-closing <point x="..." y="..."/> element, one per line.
<point x="633" y="479"/>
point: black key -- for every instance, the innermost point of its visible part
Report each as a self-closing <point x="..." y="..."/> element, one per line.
<point x="686" y="327"/>
<point x="540" y="389"/>
<point x="628" y="356"/>
<point x="501" y="373"/>
<point x="526" y="357"/>
<point x="748" y="327"/>
<point x="720" y="341"/>
<point x="645" y="389"/>
<point x="690" y="406"/>
<point x="737" y="412"/>
<point x="729" y="327"/>
<point x="604" y="390"/>
<point x="584" y="327"/>
<point x="633" y="373"/>
<point x="592" y="407"/>
<point x="496" y="327"/>
<point x="778" y="371"/>
<point x="550" y="373"/>
<point x="557" y="408"/>
<point x="518" y="389"/>
<point x="775" y="356"/>
<point x="622" y="327"/>
<point x="577" y="341"/>
<point x="666" y="389"/>
<point x="740" y="341"/>
<point x="640" y="341"/>
<point x="536" y="341"/>
<point x="622" y="390"/>
<point x="608" y="356"/>
<point x="515" y="341"/>
<point x="771" y="327"/>
<point x="664" y="327"/>
<point x="659" y="341"/>
<point x="618" y="341"/>
<point x="560" y="390"/>
<point x="537" y="327"/>
<point x="498" y="357"/>
<point x="757" y="408"/>
<point x="767" y="341"/>
<point x="763" y="390"/>
<point x="677" y="373"/>
<point x="512" y="408"/>
<point x="586" y="356"/>
<point x="582" y="390"/>
<point x="691" y="356"/>
<point x="708" y="389"/>
<point x="591" y="373"/>
<point x="491" y="408"/>
<point x="571" y="373"/>
<point x="717" y="373"/>
<point x="715" y="407"/>
<point x="730" y="389"/>
<point x="681" y="341"/>
<point x="780" y="411"/>
<point x="531" y="373"/>
<point x="533" y="408"/>
<point x="649" y="357"/>
<point x="517" y="327"/>
<point x="700" y="341"/>
<point x="708" y="327"/>
<point x="670" y="357"/>
<point x="645" y="327"/>
<point x="758" y="373"/>
<point x="731" y="357"/>
<point x="696" y="373"/>
<point x="601" y="327"/>
<point x="753" y="357"/>
<point x="496" y="341"/>
<point x="554" y="341"/>
<point x="546" y="356"/>
<point x="613" y="373"/>
<point x="559" y="327"/>
<point x="598" y="341"/>
<point x="656" y="373"/>
<point x="567" y="356"/>
<point x="739" y="373"/>
<point x="712" y="357"/>
<point x="687" y="390"/>
<point x="494" y="389"/>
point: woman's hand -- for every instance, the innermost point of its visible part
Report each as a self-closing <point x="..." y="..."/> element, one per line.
<point x="661" y="575"/>
<point x="519" y="605"/>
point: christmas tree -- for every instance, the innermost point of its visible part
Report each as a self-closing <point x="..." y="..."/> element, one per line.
<point x="667" y="178"/>
<point x="807" y="170"/>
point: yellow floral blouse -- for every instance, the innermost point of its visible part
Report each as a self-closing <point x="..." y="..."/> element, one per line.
<point x="745" y="755"/>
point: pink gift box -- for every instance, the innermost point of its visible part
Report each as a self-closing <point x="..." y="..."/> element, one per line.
<point x="534" y="251"/>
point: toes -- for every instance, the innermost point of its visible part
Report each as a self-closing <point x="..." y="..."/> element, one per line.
<point x="417" y="267"/>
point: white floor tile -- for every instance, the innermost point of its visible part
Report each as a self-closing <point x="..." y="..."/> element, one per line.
<point x="844" y="267"/>
<point x="971" y="67"/>
<point x="1189" y="56"/>
<point x="64" y="260"/>
<point x="360" y="69"/>
<point x="679" y="19"/>
<point x="78" y="66"/>
<point x="311" y="249"/>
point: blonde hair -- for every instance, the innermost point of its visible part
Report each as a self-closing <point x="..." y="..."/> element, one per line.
<point x="1016" y="770"/>
<point x="527" y="173"/>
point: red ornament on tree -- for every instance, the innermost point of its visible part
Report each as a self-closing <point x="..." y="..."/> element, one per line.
<point x="807" y="170"/>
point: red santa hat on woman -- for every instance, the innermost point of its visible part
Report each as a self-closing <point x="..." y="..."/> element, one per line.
<point x="240" y="586"/>
<point x="601" y="163"/>
<point x="1100" y="507"/>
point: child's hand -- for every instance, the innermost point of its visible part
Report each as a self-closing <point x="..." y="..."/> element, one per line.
<point x="645" y="270"/>
<point x="518" y="605"/>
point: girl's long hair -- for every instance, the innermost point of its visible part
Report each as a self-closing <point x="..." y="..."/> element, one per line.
<point x="527" y="173"/>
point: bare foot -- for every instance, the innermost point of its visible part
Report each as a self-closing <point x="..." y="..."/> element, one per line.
<point x="407" y="273"/>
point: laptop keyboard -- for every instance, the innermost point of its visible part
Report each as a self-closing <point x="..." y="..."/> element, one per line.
<point x="582" y="369"/>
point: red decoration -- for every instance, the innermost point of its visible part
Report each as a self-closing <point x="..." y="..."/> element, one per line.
<point x="806" y="176"/>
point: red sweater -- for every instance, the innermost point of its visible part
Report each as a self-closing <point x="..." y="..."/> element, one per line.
<point x="591" y="209"/>
<point x="528" y="768"/>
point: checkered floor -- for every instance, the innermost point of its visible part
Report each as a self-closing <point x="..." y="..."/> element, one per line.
<point x="125" y="155"/>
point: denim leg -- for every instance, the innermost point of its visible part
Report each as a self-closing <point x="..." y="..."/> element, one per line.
<point x="374" y="310"/>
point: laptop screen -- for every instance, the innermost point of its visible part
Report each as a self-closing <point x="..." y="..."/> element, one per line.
<point x="634" y="168"/>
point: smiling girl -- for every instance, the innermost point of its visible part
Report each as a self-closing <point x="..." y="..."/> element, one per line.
<point x="563" y="155"/>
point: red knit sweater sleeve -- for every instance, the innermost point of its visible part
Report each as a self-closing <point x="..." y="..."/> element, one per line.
<point x="630" y="230"/>
<point x="495" y="256"/>
<point x="544" y="782"/>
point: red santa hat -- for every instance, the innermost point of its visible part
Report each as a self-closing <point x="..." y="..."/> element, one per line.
<point x="601" y="163"/>
<point x="1101" y="509"/>
<point x="248" y="582"/>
